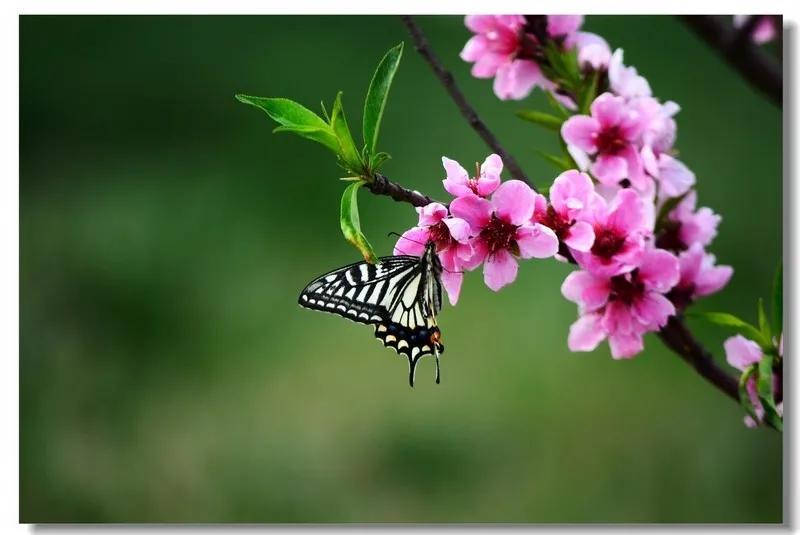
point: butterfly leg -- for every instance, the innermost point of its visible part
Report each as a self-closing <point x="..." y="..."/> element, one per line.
<point x="436" y="354"/>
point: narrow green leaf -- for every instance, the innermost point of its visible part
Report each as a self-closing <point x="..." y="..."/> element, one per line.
<point x="556" y="105"/>
<point x="777" y="301"/>
<point x="560" y="163"/>
<point x="765" y="392"/>
<point x="347" y="147"/>
<point x="351" y="223"/>
<point x="551" y="122"/>
<point x="744" y="395"/>
<point x="295" y="118"/>
<point x="377" y="160"/>
<point x="666" y="208"/>
<point x="588" y="93"/>
<point x="377" y="95"/>
<point x="763" y="322"/>
<point x="742" y="327"/>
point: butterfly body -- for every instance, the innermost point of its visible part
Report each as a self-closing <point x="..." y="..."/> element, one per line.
<point x="400" y="295"/>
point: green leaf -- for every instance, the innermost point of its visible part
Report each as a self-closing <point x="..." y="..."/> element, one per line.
<point x="777" y="301"/>
<point x="377" y="95"/>
<point x="551" y="122"/>
<point x="377" y="160"/>
<point x="556" y="105"/>
<point x="666" y="208"/>
<point x="588" y="93"/>
<point x="765" y="393"/>
<point x="559" y="162"/>
<point x="351" y="224"/>
<point x="744" y="396"/>
<point x="295" y="118"/>
<point x="763" y="322"/>
<point x="742" y="327"/>
<point x="347" y="147"/>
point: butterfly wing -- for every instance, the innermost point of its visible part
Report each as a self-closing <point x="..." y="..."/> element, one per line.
<point x="400" y="295"/>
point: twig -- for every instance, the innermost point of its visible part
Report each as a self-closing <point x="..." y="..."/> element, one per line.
<point x="380" y="185"/>
<point x="752" y="62"/>
<point x="469" y="113"/>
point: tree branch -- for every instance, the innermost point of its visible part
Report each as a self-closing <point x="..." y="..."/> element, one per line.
<point x="469" y="113"/>
<point x="752" y="62"/>
<point x="380" y="185"/>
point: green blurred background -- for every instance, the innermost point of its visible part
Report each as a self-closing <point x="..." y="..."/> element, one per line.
<point x="168" y="375"/>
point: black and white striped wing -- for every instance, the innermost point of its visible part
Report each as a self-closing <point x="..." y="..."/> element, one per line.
<point x="400" y="295"/>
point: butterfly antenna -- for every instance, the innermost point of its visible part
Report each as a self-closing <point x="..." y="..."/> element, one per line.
<point x="406" y="238"/>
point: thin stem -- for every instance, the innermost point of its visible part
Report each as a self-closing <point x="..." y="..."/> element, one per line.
<point x="469" y="113"/>
<point x="752" y="62"/>
<point x="380" y="185"/>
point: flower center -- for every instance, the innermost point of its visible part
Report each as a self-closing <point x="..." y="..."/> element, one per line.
<point x="610" y="141"/>
<point x="440" y="235"/>
<point x="557" y="222"/>
<point x="607" y="242"/>
<point x="627" y="288"/>
<point x="499" y="235"/>
<point x="670" y="237"/>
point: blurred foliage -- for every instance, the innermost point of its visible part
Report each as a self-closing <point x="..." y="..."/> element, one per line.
<point x="167" y="374"/>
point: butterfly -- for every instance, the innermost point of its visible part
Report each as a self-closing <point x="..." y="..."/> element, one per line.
<point x="400" y="295"/>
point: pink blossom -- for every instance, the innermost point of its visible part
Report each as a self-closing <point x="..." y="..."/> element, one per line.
<point x="451" y="236"/>
<point x="688" y="225"/>
<point x="700" y="276"/>
<point x="620" y="228"/>
<point x="504" y="231"/>
<point x="563" y="25"/>
<point x="766" y="29"/>
<point x="593" y="50"/>
<point x="622" y="307"/>
<point x="611" y="133"/>
<point x="494" y="50"/>
<point x="742" y="353"/>
<point x="458" y="181"/>
<point x="626" y="81"/>
<point x="571" y="195"/>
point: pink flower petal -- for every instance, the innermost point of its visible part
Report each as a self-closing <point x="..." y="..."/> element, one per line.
<point x="712" y="280"/>
<point x="432" y="213"/>
<point x="563" y="25"/>
<point x="412" y="242"/>
<point x="459" y="229"/>
<point x="587" y="290"/>
<point x="593" y="50"/>
<point x="626" y="212"/>
<point x="625" y="346"/>
<point x="586" y="333"/>
<point x="610" y="169"/>
<point x="741" y="352"/>
<point x="653" y="310"/>
<point x="475" y="48"/>
<point x="570" y="192"/>
<point x="456" y="179"/>
<point x="536" y="241"/>
<point x="480" y="23"/>
<point x="515" y="80"/>
<point x="608" y="109"/>
<point x="488" y="65"/>
<point x="581" y="131"/>
<point x="500" y="269"/>
<point x="659" y="270"/>
<point x="475" y="210"/>
<point x="674" y="177"/>
<point x="452" y="277"/>
<point x="514" y="202"/>
<point x="580" y="236"/>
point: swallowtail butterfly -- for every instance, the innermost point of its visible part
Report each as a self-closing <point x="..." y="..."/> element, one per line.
<point x="400" y="296"/>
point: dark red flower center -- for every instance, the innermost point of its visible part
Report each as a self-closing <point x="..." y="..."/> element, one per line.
<point x="440" y="235"/>
<point x="607" y="242"/>
<point x="499" y="235"/>
<point x="610" y="141"/>
<point x="557" y="222"/>
<point x="627" y="288"/>
<point x="669" y="237"/>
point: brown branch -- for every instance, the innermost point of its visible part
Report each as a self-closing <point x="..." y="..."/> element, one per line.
<point x="469" y="113"/>
<point x="380" y="185"/>
<point x="675" y="335"/>
<point x="752" y="62"/>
